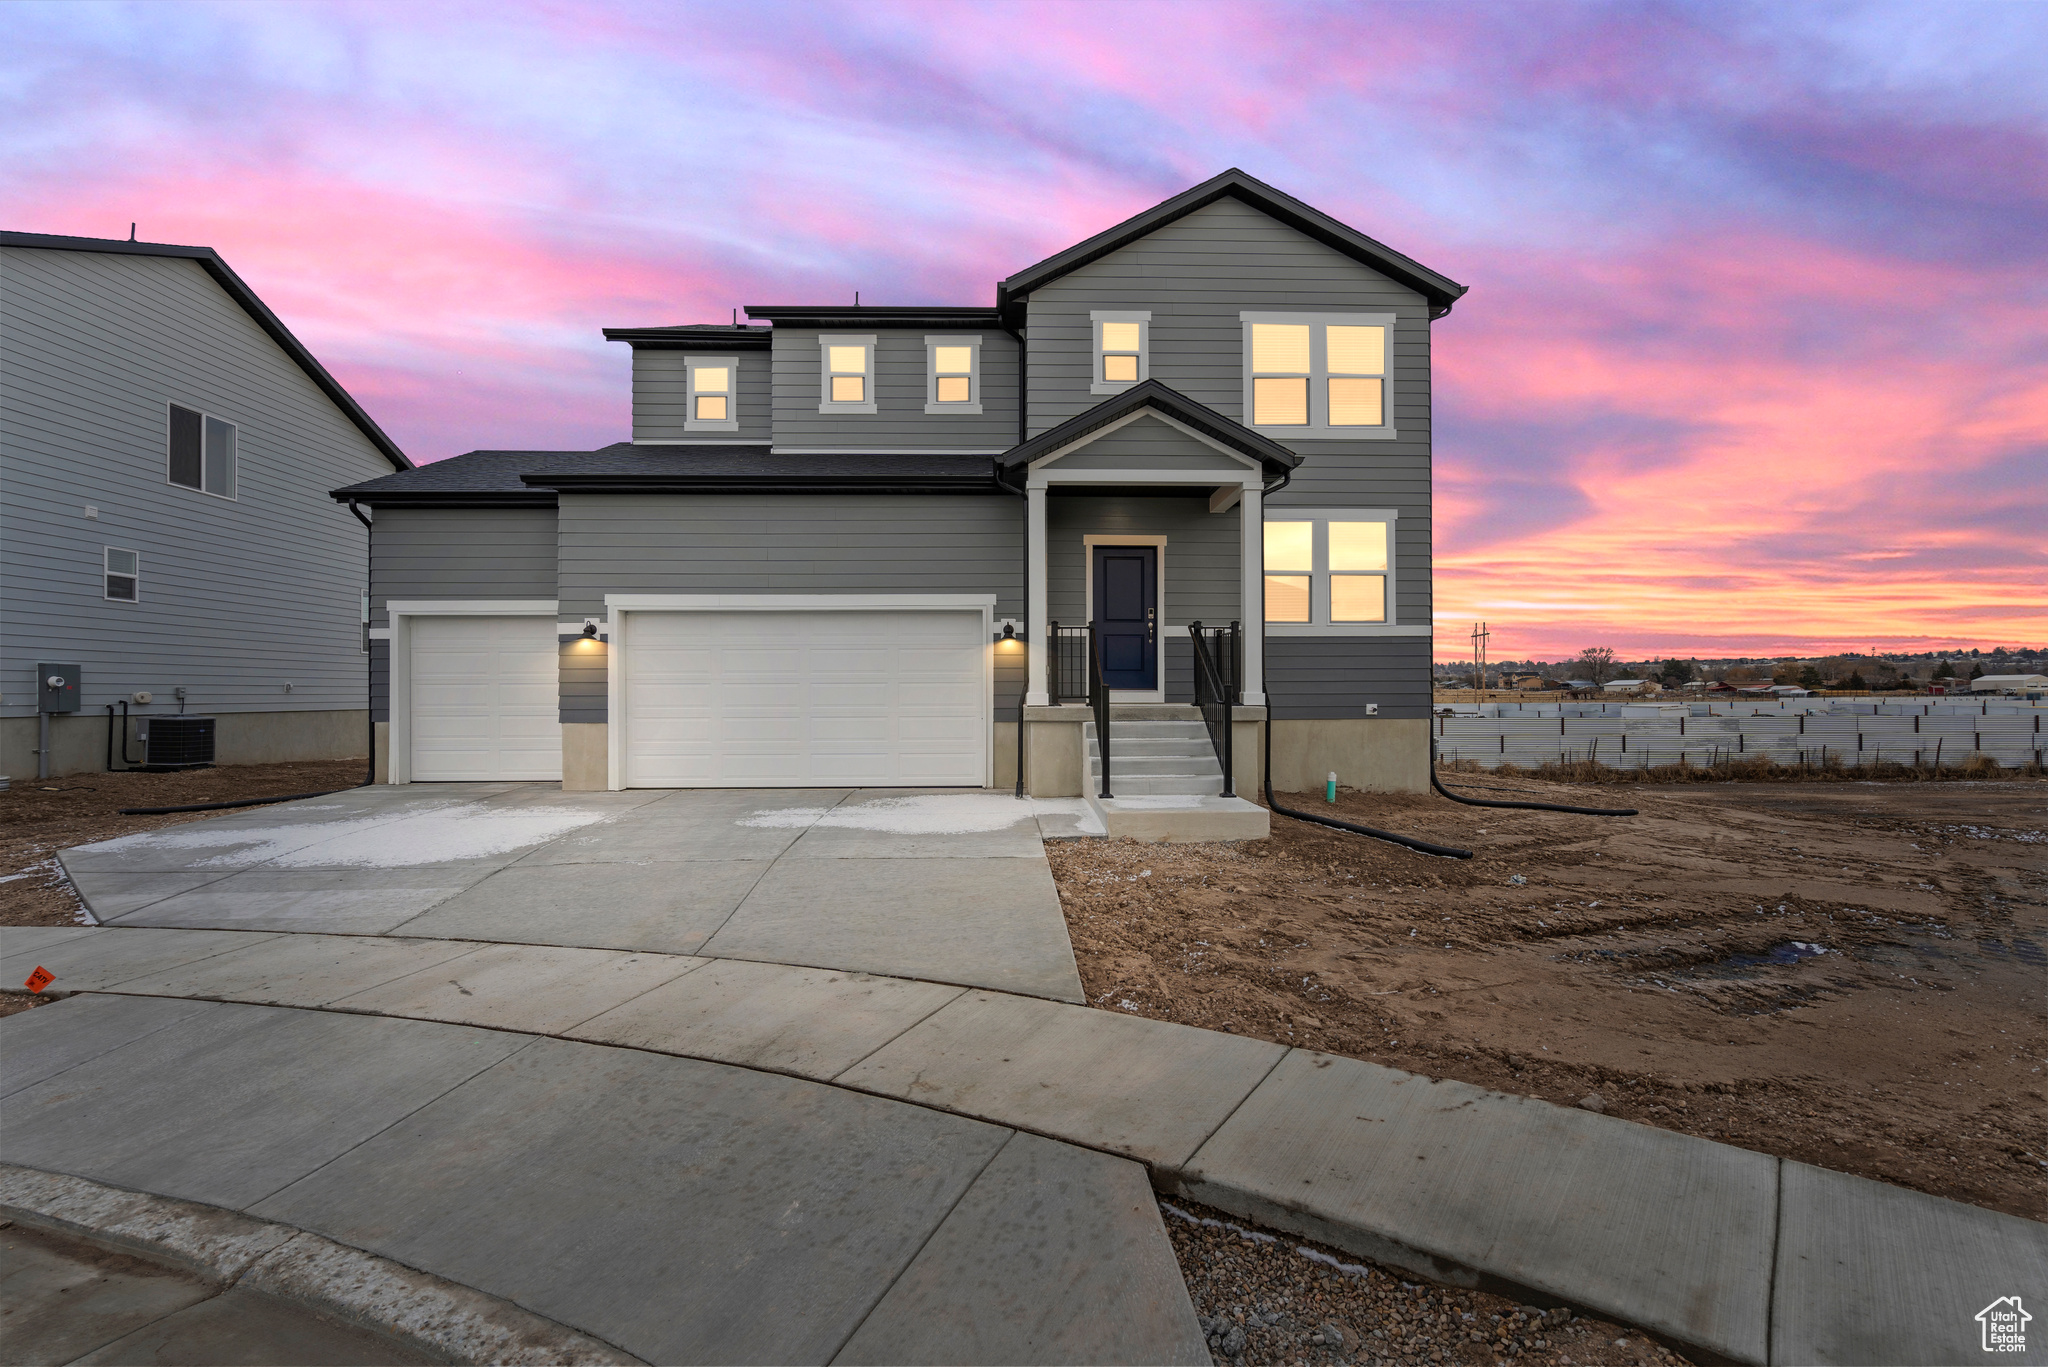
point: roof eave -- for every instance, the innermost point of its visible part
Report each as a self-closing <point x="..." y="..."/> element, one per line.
<point x="674" y="339"/>
<point x="1441" y="291"/>
<point x="224" y="276"/>
<point x="1163" y="399"/>
<point x="874" y="316"/>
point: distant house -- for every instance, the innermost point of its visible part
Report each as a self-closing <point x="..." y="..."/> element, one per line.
<point x="169" y="448"/>
<point x="1578" y="684"/>
<point x="1628" y="685"/>
<point x="2008" y="683"/>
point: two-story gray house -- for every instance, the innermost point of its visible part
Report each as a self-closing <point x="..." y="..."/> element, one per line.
<point x="864" y="545"/>
<point x="166" y="450"/>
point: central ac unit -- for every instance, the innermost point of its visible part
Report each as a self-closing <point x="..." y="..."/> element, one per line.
<point x="175" y="742"/>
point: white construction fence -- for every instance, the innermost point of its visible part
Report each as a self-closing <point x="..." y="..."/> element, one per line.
<point x="1788" y="731"/>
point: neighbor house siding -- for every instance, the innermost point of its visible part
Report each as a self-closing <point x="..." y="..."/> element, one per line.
<point x="468" y="553"/>
<point x="238" y="598"/>
<point x="661" y="396"/>
<point x="1202" y="581"/>
<point x="1195" y="276"/>
<point x="899" y="422"/>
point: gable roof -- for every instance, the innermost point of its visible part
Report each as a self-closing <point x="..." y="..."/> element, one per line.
<point x="1440" y="290"/>
<point x="210" y="261"/>
<point x="1150" y="394"/>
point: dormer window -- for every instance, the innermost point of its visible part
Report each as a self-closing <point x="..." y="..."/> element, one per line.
<point x="1122" y="349"/>
<point x="847" y="372"/>
<point x="713" y="394"/>
<point x="1318" y="375"/>
<point x="952" y="374"/>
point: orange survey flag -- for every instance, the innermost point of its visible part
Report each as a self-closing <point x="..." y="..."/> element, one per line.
<point x="39" y="979"/>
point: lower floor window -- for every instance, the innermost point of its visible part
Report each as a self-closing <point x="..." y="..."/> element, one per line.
<point x="123" y="571"/>
<point x="1328" y="567"/>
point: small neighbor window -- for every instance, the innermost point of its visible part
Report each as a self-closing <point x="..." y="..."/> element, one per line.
<point x="714" y="394"/>
<point x="1317" y="375"/>
<point x="1122" y="350"/>
<point x="201" y="452"/>
<point x="952" y="374"/>
<point x="123" y="571"/>
<point x="848" y="373"/>
<point x="1328" y="568"/>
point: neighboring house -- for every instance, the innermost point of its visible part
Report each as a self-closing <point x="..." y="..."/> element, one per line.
<point x="167" y="449"/>
<point x="1628" y="685"/>
<point x="820" y="559"/>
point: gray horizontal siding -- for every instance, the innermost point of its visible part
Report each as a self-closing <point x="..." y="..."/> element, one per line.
<point x="583" y="675"/>
<point x="1336" y="676"/>
<point x="1202" y="575"/>
<point x="1195" y="276"/>
<point x="900" y="422"/>
<point x="1148" y="444"/>
<point x="238" y="597"/>
<point x="736" y="543"/>
<point x="661" y="397"/>
<point x="489" y="553"/>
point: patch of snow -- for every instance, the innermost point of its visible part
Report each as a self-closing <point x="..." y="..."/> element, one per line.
<point x="933" y="814"/>
<point x="440" y="834"/>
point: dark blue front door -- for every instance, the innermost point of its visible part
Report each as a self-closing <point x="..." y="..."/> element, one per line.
<point x="1127" y="615"/>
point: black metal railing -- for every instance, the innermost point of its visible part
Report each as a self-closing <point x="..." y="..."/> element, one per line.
<point x="1066" y="651"/>
<point x="1217" y="659"/>
<point x="1098" y="698"/>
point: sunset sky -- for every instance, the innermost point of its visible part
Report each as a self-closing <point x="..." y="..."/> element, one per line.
<point x="1756" y="353"/>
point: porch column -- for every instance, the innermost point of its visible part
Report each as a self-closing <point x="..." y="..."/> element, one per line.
<point x="1038" y="620"/>
<point x="1253" y="561"/>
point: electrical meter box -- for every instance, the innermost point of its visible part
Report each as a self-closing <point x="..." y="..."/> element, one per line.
<point x="57" y="688"/>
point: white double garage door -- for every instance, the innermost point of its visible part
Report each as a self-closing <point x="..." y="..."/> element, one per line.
<point x="716" y="699"/>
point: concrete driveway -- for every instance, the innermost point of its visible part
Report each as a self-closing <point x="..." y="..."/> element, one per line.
<point x="944" y="886"/>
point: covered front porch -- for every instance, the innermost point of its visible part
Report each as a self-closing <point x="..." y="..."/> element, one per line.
<point x="1145" y="682"/>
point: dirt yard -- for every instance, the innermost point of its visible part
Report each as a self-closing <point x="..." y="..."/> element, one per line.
<point x="1851" y="975"/>
<point x="38" y="817"/>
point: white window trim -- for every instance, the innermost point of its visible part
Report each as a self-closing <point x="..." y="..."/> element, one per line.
<point x="1089" y="542"/>
<point x="236" y="496"/>
<point x="691" y="423"/>
<point x="828" y="340"/>
<point x="398" y="673"/>
<point x="620" y="607"/>
<point x="106" y="572"/>
<point x="1143" y="318"/>
<point x="1319" y="576"/>
<point x="931" y="375"/>
<point x="1318" y="427"/>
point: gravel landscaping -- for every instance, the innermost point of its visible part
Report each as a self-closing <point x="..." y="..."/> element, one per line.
<point x="1264" y="1297"/>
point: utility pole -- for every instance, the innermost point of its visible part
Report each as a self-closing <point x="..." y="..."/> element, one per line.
<point x="1479" y="638"/>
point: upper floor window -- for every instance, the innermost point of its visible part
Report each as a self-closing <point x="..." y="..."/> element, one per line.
<point x="201" y="452"/>
<point x="713" y="394"/>
<point x="1318" y="374"/>
<point x="1122" y="349"/>
<point x="1329" y="569"/>
<point x="123" y="573"/>
<point x="952" y="374"/>
<point x="847" y="374"/>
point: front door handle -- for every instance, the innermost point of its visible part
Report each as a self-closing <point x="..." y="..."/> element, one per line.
<point x="1151" y="633"/>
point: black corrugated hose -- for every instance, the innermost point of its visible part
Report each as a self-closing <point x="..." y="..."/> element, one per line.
<point x="1532" y="806"/>
<point x="1443" y="851"/>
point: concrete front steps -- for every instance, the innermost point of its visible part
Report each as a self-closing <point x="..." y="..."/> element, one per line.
<point x="1166" y="780"/>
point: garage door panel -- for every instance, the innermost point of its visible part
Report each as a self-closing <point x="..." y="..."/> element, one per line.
<point x="805" y="698"/>
<point x="485" y="701"/>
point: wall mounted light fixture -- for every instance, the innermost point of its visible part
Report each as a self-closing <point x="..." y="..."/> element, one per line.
<point x="590" y="628"/>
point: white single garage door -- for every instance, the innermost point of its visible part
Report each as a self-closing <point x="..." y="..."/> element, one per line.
<point x="798" y="699"/>
<point x="485" y="698"/>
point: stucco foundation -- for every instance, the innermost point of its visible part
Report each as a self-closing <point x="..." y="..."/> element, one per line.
<point x="586" y="756"/>
<point x="78" y="740"/>
<point x="1373" y="754"/>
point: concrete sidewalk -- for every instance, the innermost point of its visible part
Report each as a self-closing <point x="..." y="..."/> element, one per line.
<point x="679" y="1210"/>
<point x="945" y="886"/>
<point x="1727" y="1253"/>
